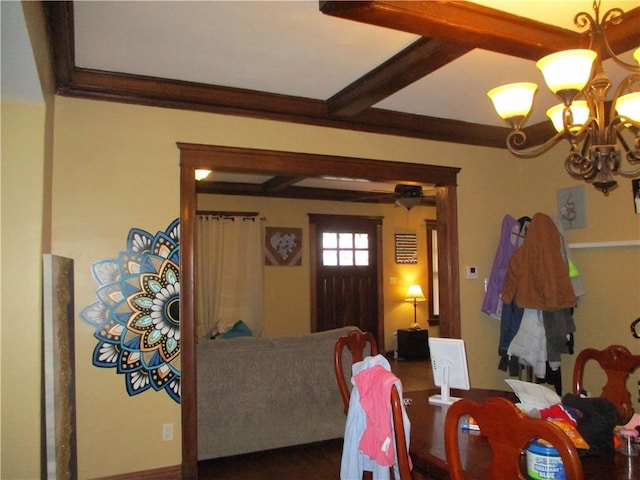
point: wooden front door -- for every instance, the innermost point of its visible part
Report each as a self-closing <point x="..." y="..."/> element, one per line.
<point x="346" y="273"/>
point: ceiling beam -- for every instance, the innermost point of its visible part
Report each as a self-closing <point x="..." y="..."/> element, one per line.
<point x="118" y="87"/>
<point x="305" y="193"/>
<point x="482" y="27"/>
<point x="462" y="23"/>
<point x="280" y="183"/>
<point x="419" y="59"/>
<point x="264" y="162"/>
<point x="457" y="22"/>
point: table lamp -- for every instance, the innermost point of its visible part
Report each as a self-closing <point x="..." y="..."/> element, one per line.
<point x="415" y="295"/>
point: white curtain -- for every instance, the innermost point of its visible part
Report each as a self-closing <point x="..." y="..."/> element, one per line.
<point x="229" y="273"/>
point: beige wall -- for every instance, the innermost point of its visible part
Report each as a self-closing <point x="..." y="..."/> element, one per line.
<point x="116" y="167"/>
<point x="22" y="218"/>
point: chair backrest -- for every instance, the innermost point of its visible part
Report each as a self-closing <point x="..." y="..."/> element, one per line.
<point x="398" y="429"/>
<point x="356" y="342"/>
<point x="618" y="363"/>
<point x="509" y="432"/>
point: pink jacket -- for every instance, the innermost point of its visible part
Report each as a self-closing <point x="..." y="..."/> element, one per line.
<point x="374" y="385"/>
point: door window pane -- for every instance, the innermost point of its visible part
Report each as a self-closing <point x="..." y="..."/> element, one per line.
<point x="346" y="240"/>
<point x="330" y="258"/>
<point x="346" y="258"/>
<point x="362" y="258"/>
<point x="361" y="240"/>
<point x="329" y="240"/>
<point x="345" y="249"/>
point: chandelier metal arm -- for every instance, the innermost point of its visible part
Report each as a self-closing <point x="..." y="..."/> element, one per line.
<point x="578" y="163"/>
<point x="614" y="17"/>
<point x="632" y="154"/>
<point x="517" y="138"/>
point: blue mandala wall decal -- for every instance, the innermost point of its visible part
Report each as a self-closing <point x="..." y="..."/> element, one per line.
<point x="137" y="314"/>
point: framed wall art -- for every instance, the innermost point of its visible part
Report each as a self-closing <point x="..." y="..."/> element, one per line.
<point x="406" y="248"/>
<point x="572" y="207"/>
<point x="283" y="246"/>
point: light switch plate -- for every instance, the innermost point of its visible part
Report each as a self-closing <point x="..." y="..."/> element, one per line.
<point x="472" y="273"/>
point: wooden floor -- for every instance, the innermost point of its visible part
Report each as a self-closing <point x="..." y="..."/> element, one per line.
<point x="320" y="461"/>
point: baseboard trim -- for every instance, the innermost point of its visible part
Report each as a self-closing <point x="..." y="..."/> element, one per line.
<point x="165" y="473"/>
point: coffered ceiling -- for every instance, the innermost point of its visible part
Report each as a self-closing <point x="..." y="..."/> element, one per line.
<point x="415" y="69"/>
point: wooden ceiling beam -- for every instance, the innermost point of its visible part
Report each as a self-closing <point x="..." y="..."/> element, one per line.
<point x="279" y="183"/>
<point x="418" y="60"/>
<point x="481" y="27"/>
<point x="264" y="162"/>
<point x="463" y="23"/>
<point x="306" y="193"/>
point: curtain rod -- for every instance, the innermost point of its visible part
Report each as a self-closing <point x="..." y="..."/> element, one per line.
<point x="227" y="214"/>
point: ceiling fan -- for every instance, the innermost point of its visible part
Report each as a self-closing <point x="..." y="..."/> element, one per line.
<point x="404" y="195"/>
<point x="408" y="196"/>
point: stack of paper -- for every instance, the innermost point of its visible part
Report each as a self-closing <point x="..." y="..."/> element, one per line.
<point x="533" y="395"/>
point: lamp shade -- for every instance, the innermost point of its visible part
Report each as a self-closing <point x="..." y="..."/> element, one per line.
<point x="201" y="174"/>
<point x="579" y="112"/>
<point x="513" y="100"/>
<point x="567" y="70"/>
<point x="414" y="294"/>
<point x="629" y="105"/>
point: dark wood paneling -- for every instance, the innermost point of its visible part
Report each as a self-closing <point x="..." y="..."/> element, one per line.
<point x="188" y="322"/>
<point x="448" y="263"/>
<point x="260" y="161"/>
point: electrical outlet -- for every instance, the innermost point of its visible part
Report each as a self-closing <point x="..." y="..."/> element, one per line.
<point x="167" y="432"/>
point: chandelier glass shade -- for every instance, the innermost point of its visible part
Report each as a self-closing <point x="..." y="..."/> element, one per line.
<point x="596" y="129"/>
<point x="567" y="70"/>
<point x="579" y="114"/>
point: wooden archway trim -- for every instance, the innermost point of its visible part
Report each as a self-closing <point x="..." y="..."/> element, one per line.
<point x="271" y="162"/>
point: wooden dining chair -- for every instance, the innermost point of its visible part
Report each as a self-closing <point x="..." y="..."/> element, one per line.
<point x="402" y="452"/>
<point x="509" y="432"/>
<point x="618" y="363"/>
<point x="356" y="342"/>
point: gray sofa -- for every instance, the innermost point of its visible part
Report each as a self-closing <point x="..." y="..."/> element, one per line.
<point x="262" y="393"/>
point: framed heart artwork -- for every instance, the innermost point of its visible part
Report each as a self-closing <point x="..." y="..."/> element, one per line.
<point x="283" y="246"/>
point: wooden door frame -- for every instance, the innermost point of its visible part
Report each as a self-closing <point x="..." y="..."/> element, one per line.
<point x="270" y="162"/>
<point x="313" y="271"/>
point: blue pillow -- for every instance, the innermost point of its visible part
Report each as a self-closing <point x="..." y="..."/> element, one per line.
<point x="239" y="329"/>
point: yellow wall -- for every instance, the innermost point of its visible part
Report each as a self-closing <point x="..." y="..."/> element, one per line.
<point x="287" y="289"/>
<point x="611" y="274"/>
<point x="22" y="218"/>
<point x="116" y="167"/>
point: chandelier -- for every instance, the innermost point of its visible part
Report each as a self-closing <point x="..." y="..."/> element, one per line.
<point x="595" y="130"/>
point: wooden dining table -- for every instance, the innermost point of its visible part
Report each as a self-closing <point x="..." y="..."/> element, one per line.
<point x="427" y="448"/>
